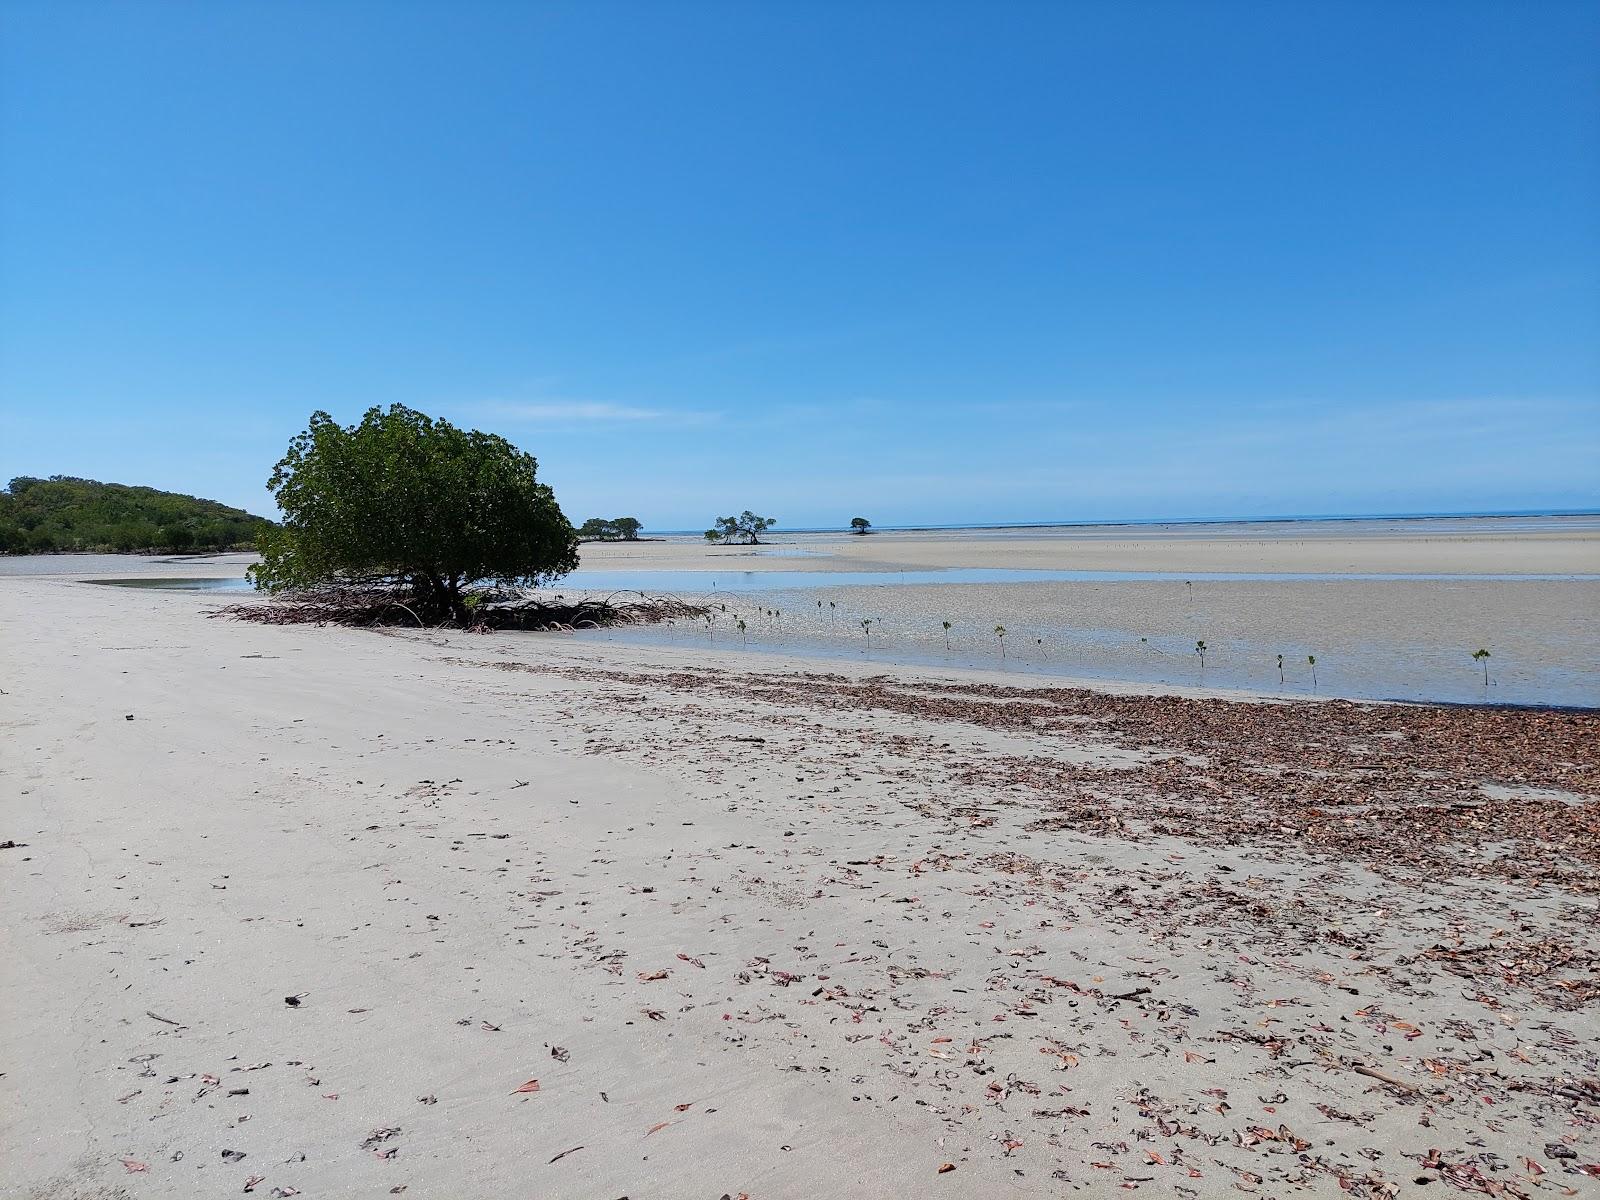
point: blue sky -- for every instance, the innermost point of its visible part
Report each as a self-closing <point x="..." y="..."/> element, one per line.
<point x="925" y="262"/>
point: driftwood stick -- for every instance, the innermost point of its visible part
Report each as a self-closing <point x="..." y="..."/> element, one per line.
<point x="1373" y="1073"/>
<point x="414" y="616"/>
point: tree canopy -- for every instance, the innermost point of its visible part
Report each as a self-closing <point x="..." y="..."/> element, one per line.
<point x="64" y="513"/>
<point x="405" y="500"/>
<point x="625" y="529"/>
<point x="859" y="525"/>
<point x="746" y="528"/>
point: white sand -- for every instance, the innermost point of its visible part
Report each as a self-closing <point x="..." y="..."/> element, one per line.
<point x="459" y="870"/>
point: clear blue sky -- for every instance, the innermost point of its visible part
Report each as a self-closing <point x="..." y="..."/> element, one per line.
<point x="919" y="261"/>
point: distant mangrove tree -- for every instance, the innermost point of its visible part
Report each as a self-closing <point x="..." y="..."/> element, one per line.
<point x="617" y="529"/>
<point x="745" y="529"/>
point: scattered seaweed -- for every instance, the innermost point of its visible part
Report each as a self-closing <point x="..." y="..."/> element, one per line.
<point x="1491" y="793"/>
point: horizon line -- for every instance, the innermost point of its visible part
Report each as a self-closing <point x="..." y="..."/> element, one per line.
<point x="1117" y="522"/>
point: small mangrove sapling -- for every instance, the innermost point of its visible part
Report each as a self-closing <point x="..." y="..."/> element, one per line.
<point x="1482" y="656"/>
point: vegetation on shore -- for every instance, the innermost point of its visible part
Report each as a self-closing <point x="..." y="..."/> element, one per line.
<point x="65" y="514"/>
<point x="618" y="529"/>
<point x="427" y="518"/>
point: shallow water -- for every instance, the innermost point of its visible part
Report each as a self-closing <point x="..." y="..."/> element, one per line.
<point x="699" y="582"/>
<point x="180" y="585"/>
<point x="1374" y="636"/>
<point x="1170" y="662"/>
<point x="1373" y="639"/>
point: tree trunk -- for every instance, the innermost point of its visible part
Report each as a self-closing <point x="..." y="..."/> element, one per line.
<point x="436" y="601"/>
<point x="458" y="606"/>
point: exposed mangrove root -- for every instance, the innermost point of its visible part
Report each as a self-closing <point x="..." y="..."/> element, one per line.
<point x="486" y="611"/>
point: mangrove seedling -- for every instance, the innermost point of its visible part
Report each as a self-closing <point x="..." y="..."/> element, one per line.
<point x="1311" y="660"/>
<point x="1280" y="670"/>
<point x="946" y="636"/>
<point x="742" y="635"/>
<point x="1200" y="649"/>
<point x="1000" y="636"/>
<point x="1483" y="657"/>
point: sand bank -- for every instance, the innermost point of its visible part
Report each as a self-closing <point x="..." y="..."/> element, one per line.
<point x="1497" y="546"/>
<point x="758" y="928"/>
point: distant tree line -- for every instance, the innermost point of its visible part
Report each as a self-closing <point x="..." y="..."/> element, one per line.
<point x="63" y="513"/>
<point x="618" y="529"/>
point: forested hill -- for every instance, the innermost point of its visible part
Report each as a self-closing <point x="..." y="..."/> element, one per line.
<point x="41" y="516"/>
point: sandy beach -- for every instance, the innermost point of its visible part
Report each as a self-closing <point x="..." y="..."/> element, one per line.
<point x="329" y="912"/>
<point x="704" y="601"/>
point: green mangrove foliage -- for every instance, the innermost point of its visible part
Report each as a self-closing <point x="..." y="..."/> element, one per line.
<point x="745" y="529"/>
<point x="617" y="529"/>
<point x="64" y="513"/>
<point x="402" y="500"/>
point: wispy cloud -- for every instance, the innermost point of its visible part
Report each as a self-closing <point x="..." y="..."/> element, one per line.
<point x="576" y="412"/>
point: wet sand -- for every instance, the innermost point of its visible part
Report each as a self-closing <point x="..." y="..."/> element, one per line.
<point x="1375" y="633"/>
<point x="1383" y="636"/>
<point x="565" y="918"/>
<point x="1375" y="639"/>
<point x="1494" y="546"/>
